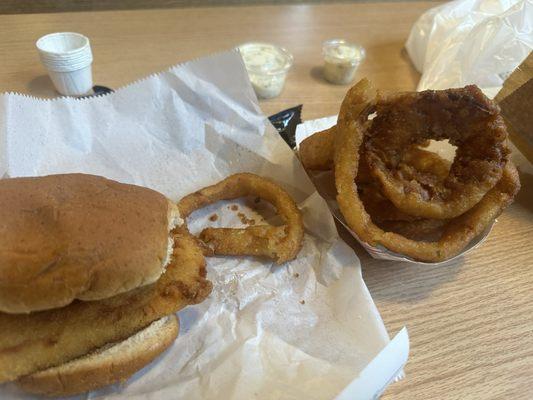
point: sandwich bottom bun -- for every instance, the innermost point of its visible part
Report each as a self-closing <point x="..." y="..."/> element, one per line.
<point x="108" y="365"/>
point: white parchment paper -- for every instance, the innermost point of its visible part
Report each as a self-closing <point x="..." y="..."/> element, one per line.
<point x="307" y="329"/>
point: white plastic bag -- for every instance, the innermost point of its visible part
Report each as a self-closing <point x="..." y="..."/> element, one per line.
<point x="471" y="42"/>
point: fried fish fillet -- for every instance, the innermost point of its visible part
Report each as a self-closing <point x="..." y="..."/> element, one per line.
<point x="32" y="342"/>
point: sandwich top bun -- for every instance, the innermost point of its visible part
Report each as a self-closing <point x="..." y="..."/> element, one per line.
<point x="77" y="236"/>
<point x="105" y="366"/>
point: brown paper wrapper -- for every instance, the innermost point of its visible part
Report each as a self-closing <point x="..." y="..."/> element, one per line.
<point x="516" y="102"/>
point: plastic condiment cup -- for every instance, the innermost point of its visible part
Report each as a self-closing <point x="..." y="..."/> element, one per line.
<point x="67" y="57"/>
<point x="267" y="67"/>
<point x="341" y="60"/>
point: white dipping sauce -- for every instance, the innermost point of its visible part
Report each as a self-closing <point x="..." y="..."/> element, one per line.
<point x="341" y="60"/>
<point x="267" y="67"/>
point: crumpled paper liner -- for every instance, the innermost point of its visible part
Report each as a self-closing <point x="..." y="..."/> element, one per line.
<point x="307" y="329"/>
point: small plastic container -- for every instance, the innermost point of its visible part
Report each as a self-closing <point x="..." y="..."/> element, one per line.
<point x="341" y="60"/>
<point x="267" y="67"/>
<point x="68" y="57"/>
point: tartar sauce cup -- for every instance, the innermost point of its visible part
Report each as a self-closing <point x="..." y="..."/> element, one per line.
<point x="67" y="56"/>
<point x="267" y="67"/>
<point x="341" y="60"/>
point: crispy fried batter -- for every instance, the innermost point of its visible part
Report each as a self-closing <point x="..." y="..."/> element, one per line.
<point x="259" y="241"/>
<point x="316" y="154"/>
<point x="423" y="229"/>
<point x="389" y="218"/>
<point x="458" y="233"/>
<point x="32" y="342"/>
<point x="382" y="209"/>
<point x="378" y="206"/>
<point x="279" y="243"/>
<point x="394" y="137"/>
<point x="316" y="151"/>
<point x="464" y="116"/>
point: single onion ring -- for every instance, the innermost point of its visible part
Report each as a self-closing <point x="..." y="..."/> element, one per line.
<point x="465" y="117"/>
<point x="280" y="243"/>
<point x="380" y="207"/>
<point x="316" y="151"/>
<point x="427" y="162"/>
<point x="389" y="218"/>
<point x="386" y="216"/>
<point x="458" y="233"/>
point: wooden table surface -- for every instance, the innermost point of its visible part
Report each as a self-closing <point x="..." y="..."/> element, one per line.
<point x="471" y="322"/>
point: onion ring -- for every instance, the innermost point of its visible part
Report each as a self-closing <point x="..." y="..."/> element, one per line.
<point x="381" y="208"/>
<point x="280" y="243"/>
<point x="458" y="233"/>
<point x="378" y="206"/>
<point x="389" y="218"/>
<point x="424" y="229"/>
<point x="316" y="151"/>
<point x="464" y="116"/>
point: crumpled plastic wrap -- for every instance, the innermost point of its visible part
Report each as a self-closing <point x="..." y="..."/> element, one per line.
<point x="471" y="42"/>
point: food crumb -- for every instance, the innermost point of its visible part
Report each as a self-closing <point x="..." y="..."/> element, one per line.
<point x="213" y="217"/>
<point x="302" y="301"/>
<point x="296" y="275"/>
<point x="245" y="220"/>
<point x="234" y="207"/>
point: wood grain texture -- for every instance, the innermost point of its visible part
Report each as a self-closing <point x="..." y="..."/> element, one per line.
<point x="471" y="322"/>
<point x="129" y="45"/>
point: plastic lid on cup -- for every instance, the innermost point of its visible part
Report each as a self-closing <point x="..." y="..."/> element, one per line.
<point x="265" y="58"/>
<point x="342" y="51"/>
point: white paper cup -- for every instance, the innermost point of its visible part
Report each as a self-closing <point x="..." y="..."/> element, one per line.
<point x="67" y="56"/>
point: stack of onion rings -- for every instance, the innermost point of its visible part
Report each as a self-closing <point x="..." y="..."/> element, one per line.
<point x="359" y="140"/>
<point x="280" y="243"/>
